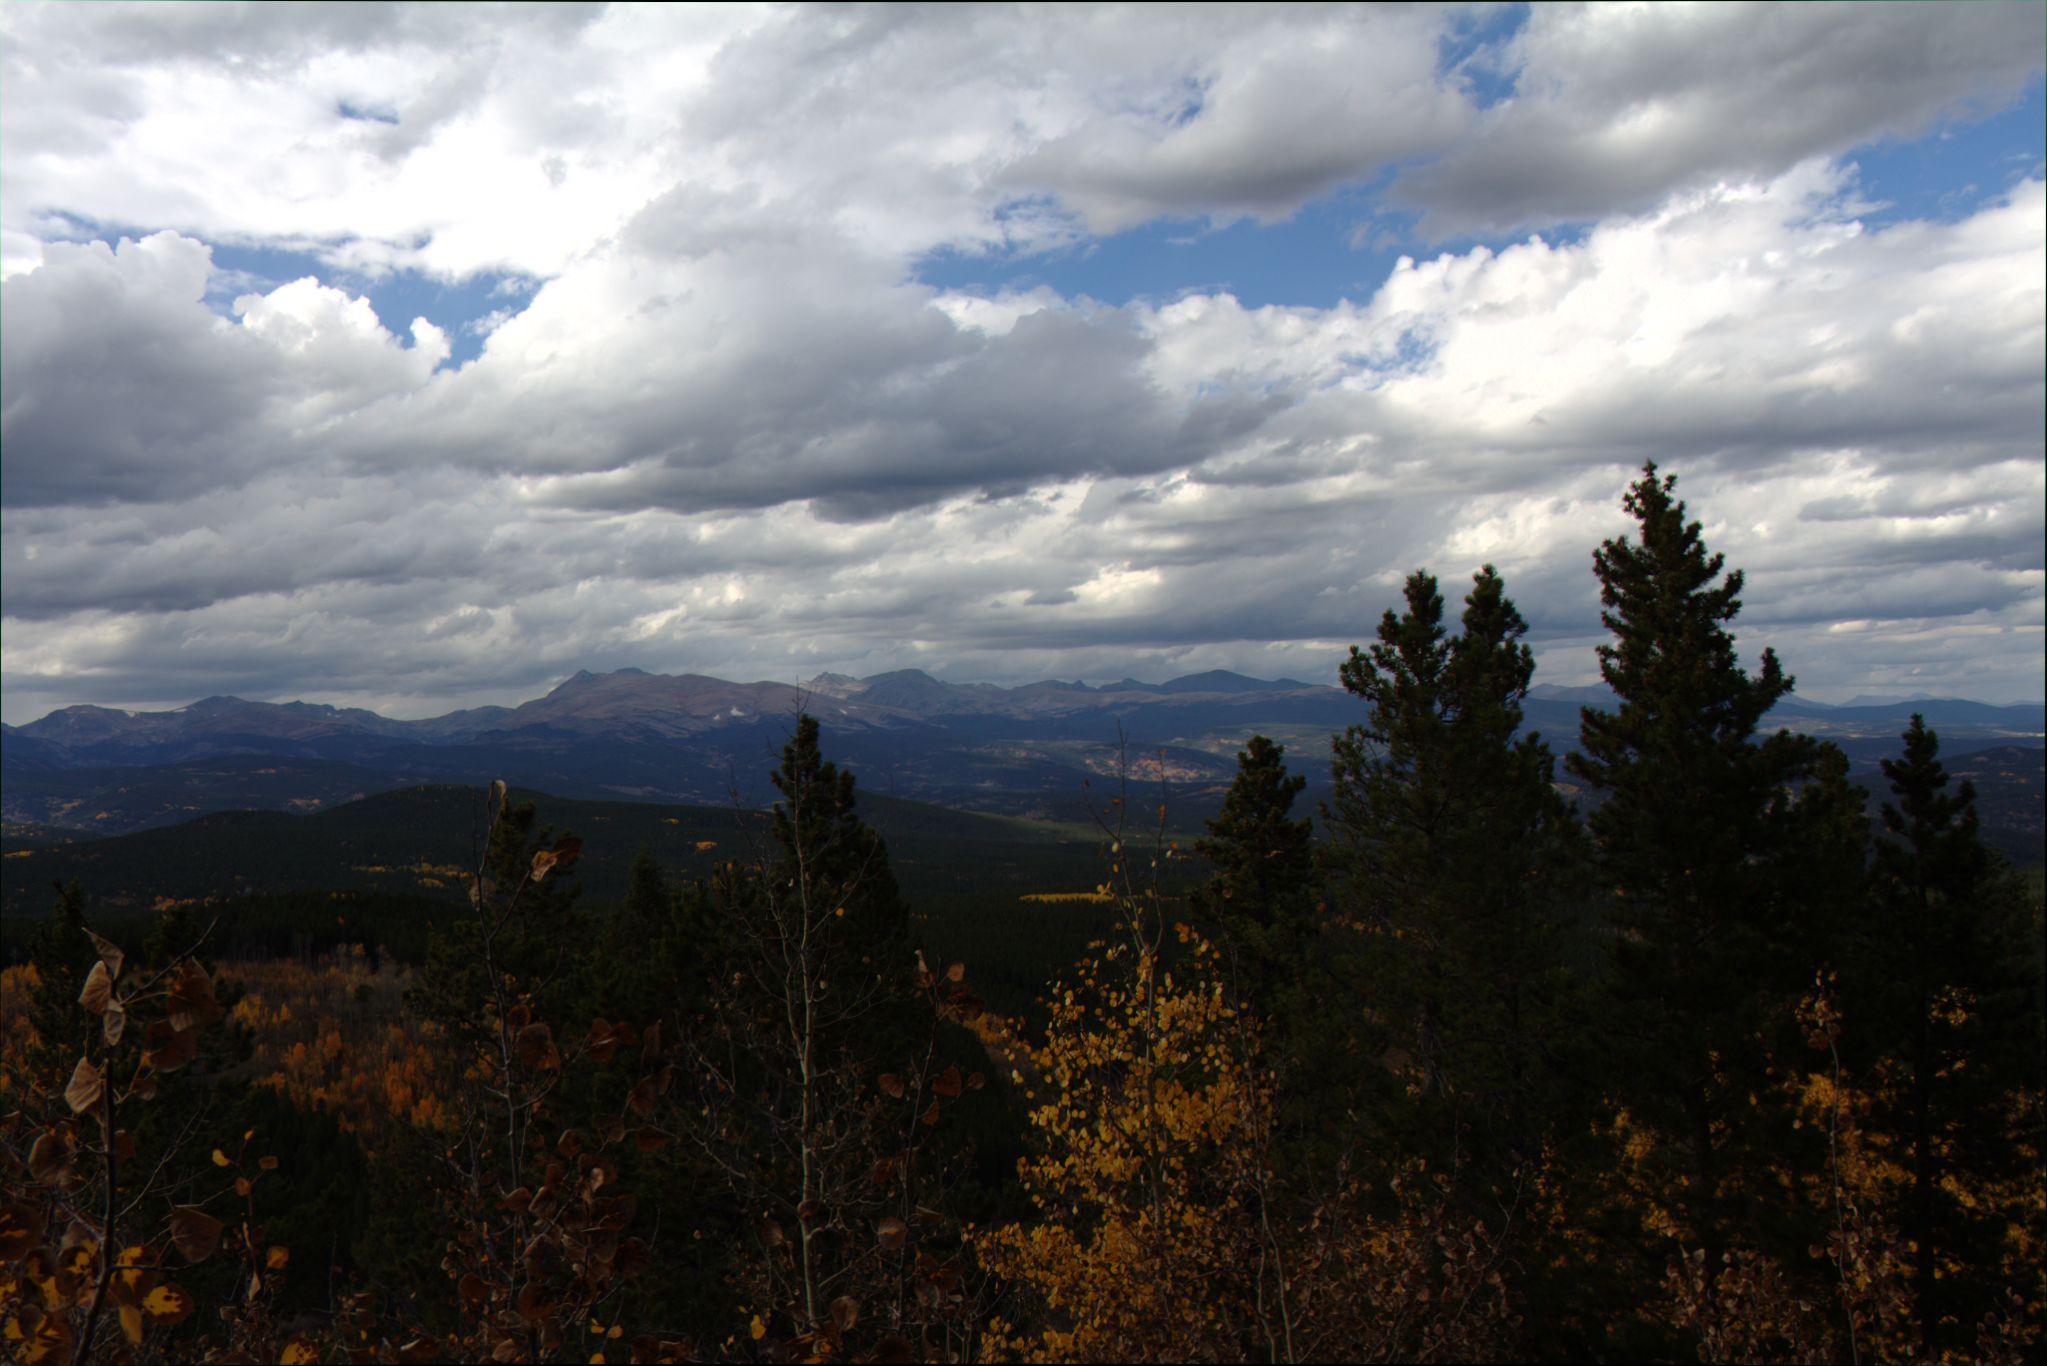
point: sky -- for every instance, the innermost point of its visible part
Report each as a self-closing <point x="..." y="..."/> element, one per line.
<point x="416" y="357"/>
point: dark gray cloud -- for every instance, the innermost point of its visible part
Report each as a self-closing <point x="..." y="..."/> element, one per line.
<point x="1616" y="107"/>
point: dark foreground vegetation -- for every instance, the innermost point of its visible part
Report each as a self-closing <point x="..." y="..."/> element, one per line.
<point x="1696" y="1069"/>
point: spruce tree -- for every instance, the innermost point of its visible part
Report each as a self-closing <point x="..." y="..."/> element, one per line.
<point x="61" y="953"/>
<point x="1259" y="903"/>
<point x="538" y="938"/>
<point x="1706" y="843"/>
<point x="1453" y="854"/>
<point x="1950" y="995"/>
<point x="822" y="848"/>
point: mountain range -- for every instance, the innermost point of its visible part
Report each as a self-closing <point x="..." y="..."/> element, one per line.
<point x="691" y="738"/>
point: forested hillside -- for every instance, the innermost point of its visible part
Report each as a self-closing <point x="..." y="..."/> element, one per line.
<point x="1648" y="1046"/>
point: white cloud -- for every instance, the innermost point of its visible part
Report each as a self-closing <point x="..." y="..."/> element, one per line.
<point x="727" y="431"/>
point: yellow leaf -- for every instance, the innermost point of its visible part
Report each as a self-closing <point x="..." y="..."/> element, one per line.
<point x="298" y="1352"/>
<point x="276" y="1258"/>
<point x="219" y="1158"/>
<point x="131" y="1323"/>
<point x="167" y="1304"/>
<point x="759" y="1330"/>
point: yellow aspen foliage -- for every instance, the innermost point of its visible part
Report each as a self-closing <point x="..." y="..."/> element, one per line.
<point x="336" y="1036"/>
<point x="1151" y="1126"/>
<point x="18" y="1037"/>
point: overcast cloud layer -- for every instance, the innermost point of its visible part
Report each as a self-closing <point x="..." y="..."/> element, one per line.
<point x="718" y="424"/>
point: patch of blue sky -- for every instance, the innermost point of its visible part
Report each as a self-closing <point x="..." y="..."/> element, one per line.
<point x="466" y="310"/>
<point x="365" y="114"/>
<point x="1956" y="168"/>
<point x="1313" y="259"/>
<point x="1474" y="47"/>
<point x="1345" y="244"/>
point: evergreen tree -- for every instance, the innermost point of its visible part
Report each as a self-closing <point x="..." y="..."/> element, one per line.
<point x="61" y="953"/>
<point x="1454" y="854"/>
<point x="648" y="904"/>
<point x="1260" y="901"/>
<point x="823" y="849"/>
<point x="537" y="938"/>
<point x="1951" y="993"/>
<point x="1713" y="845"/>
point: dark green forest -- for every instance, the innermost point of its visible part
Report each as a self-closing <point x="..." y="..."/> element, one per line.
<point x="1702" y="1064"/>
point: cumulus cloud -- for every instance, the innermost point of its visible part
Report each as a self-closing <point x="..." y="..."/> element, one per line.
<point x="1274" y="118"/>
<point x="730" y="431"/>
<point x="121" y="386"/>
<point x="1616" y="106"/>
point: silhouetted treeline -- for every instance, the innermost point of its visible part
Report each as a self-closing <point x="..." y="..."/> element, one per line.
<point x="1698" y="1070"/>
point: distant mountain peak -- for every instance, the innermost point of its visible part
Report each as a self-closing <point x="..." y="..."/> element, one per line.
<point x="1222" y="680"/>
<point x="584" y="678"/>
<point x="218" y="702"/>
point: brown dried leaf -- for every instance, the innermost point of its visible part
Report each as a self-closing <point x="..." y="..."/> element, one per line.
<point x="650" y="1042"/>
<point x="845" y="1313"/>
<point x="86" y="1088"/>
<point x="195" y="1232"/>
<point x="956" y="973"/>
<point x="472" y="1289"/>
<point x="191" y="1004"/>
<point x="534" y="1044"/>
<point x="602" y="1043"/>
<point x="649" y="1139"/>
<point x="930" y="1115"/>
<point x="946" y="1083"/>
<point x="98" y="992"/>
<point x="113" y="1024"/>
<point x="891" y="1232"/>
<point x="534" y="1302"/>
<point x="109" y="952"/>
<point x="277" y="1258"/>
<point x="891" y="1085"/>
<point x="49" y="1159"/>
<point x="166" y="1048"/>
